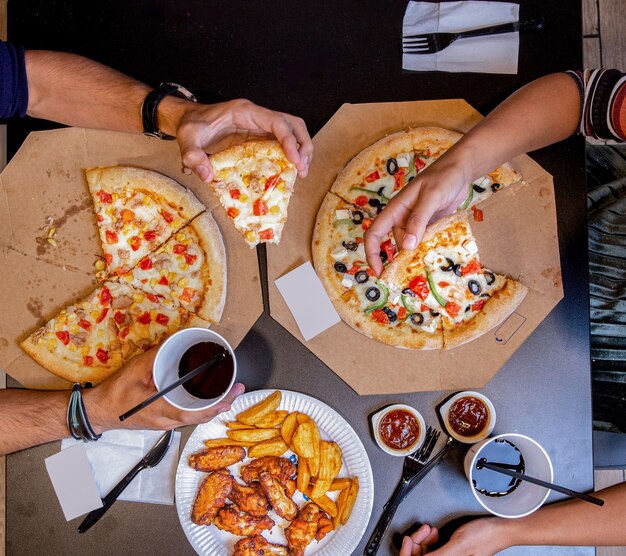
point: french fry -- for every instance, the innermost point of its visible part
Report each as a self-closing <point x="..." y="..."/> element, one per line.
<point x="304" y="475"/>
<point x="236" y="425"/>
<point x="273" y="419"/>
<point x="341" y="503"/>
<point x="351" y="499"/>
<point x="304" y="438"/>
<point x="340" y="484"/>
<point x="302" y="418"/>
<point x="330" y="461"/>
<point x="288" y="427"/>
<point x="323" y="502"/>
<point x="320" y="488"/>
<point x="253" y="435"/>
<point x="255" y="413"/>
<point x="273" y="447"/>
<point x="215" y="442"/>
<point x="314" y="462"/>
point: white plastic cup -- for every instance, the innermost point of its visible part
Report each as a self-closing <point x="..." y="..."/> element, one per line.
<point x="165" y="368"/>
<point x="491" y="423"/>
<point x="377" y="417"/>
<point x="527" y="497"/>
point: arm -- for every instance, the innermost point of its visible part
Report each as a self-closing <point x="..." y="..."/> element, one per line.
<point x="73" y="90"/>
<point x="543" y="112"/>
<point x="569" y="523"/>
<point x="31" y="417"/>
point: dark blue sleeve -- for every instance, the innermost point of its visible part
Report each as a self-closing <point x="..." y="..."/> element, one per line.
<point x="13" y="85"/>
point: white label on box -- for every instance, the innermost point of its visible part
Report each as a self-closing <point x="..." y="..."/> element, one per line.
<point x="304" y="294"/>
<point x="73" y="481"/>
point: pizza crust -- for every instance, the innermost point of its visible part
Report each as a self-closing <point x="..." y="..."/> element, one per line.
<point x="251" y="149"/>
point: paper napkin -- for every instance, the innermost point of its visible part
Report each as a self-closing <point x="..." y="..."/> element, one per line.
<point x="118" y="451"/>
<point x="489" y="54"/>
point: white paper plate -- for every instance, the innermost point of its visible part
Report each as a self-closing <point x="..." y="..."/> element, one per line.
<point x="211" y="541"/>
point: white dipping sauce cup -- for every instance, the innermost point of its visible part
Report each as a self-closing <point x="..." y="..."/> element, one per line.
<point x="527" y="497"/>
<point x="165" y="368"/>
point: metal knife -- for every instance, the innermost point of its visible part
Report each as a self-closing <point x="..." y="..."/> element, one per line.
<point x="151" y="459"/>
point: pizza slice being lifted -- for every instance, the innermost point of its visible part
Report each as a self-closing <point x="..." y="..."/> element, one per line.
<point x="254" y="182"/>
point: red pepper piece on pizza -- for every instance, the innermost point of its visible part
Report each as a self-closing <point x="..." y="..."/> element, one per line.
<point x="254" y="182"/>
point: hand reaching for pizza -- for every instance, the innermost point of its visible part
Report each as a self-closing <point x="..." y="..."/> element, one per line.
<point x="211" y="128"/>
<point x="435" y="192"/>
<point x="131" y="385"/>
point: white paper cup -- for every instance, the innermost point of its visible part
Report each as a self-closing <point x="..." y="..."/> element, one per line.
<point x="165" y="368"/>
<point x="376" y="418"/>
<point x="527" y="497"/>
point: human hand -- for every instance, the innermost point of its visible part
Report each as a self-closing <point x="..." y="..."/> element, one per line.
<point x="131" y="385"/>
<point x="436" y="191"/>
<point x="211" y="128"/>
<point x="417" y="544"/>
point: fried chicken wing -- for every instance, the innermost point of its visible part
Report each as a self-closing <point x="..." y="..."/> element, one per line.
<point x="230" y="518"/>
<point x="279" y="468"/>
<point x="212" y="459"/>
<point x="284" y="506"/>
<point x="250" y="499"/>
<point x="212" y="495"/>
<point x="258" y="546"/>
<point x="311" y="523"/>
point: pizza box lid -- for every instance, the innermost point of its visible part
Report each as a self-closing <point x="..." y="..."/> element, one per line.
<point x="528" y="251"/>
<point x="44" y="185"/>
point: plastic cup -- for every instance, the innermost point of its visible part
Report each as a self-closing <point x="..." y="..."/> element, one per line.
<point x="527" y="497"/>
<point x="166" y="362"/>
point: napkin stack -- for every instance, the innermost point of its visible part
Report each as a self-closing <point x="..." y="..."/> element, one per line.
<point x="118" y="451"/>
<point x="488" y="54"/>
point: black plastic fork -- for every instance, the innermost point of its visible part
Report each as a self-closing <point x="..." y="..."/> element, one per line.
<point x="430" y="43"/>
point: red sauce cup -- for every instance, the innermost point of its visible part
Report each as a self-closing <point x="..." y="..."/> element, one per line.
<point x="468" y="416"/>
<point x="399" y="429"/>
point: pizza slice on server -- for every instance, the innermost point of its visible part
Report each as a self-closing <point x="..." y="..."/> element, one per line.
<point x="137" y="210"/>
<point x="254" y="183"/>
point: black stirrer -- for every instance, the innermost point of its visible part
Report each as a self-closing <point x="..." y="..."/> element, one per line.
<point x="482" y="462"/>
<point x="202" y="368"/>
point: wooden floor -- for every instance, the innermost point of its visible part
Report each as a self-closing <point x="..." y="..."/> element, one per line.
<point x="604" y="43"/>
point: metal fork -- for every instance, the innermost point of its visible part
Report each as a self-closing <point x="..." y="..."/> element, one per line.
<point x="413" y="464"/>
<point x="435" y="42"/>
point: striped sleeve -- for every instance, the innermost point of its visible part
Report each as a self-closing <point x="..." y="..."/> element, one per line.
<point x="603" y="103"/>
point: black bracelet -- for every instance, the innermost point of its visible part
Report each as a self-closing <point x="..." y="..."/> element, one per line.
<point x="151" y="103"/>
<point x="77" y="421"/>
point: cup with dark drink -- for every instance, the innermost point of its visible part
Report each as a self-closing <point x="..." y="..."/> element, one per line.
<point x="500" y="494"/>
<point x="185" y="351"/>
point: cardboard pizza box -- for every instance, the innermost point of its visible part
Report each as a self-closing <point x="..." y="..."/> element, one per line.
<point x="43" y="186"/>
<point x="518" y="237"/>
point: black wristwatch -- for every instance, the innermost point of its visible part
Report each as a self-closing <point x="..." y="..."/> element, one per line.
<point x="151" y="104"/>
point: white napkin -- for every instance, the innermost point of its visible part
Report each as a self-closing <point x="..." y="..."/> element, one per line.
<point x="488" y="54"/>
<point x="118" y="451"/>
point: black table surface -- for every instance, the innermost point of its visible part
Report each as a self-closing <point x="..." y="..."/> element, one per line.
<point x="308" y="58"/>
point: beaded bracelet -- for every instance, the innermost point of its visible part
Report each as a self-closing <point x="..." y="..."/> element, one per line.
<point x="77" y="421"/>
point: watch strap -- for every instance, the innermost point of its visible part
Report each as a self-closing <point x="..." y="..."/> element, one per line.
<point x="149" y="108"/>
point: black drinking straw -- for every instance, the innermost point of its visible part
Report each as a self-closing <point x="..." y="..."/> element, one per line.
<point x="202" y="368"/>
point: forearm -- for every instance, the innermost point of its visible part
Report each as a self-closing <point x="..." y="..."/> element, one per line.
<point x="539" y="114"/>
<point x="573" y="523"/>
<point x="31" y="417"/>
<point x="73" y="90"/>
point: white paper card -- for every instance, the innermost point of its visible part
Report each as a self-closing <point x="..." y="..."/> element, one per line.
<point x="486" y="54"/>
<point x="73" y="481"/>
<point x="118" y="451"/>
<point x="304" y="294"/>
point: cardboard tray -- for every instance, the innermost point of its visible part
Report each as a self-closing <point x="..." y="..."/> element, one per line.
<point x="518" y="238"/>
<point x="45" y="179"/>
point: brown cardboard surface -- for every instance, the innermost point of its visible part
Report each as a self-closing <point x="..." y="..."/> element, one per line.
<point x="518" y="237"/>
<point x="45" y="179"/>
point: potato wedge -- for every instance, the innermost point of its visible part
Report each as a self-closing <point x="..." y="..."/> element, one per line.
<point x="255" y="413"/>
<point x="214" y="442"/>
<point x="236" y="425"/>
<point x="320" y="488"/>
<point x="314" y="462"/>
<point x="341" y="503"/>
<point x="273" y="447"/>
<point x="323" y="502"/>
<point x="352" y="494"/>
<point x="302" y="418"/>
<point x="303" y="439"/>
<point x="330" y="460"/>
<point x="304" y="475"/>
<point x="340" y="484"/>
<point x="288" y="427"/>
<point x="253" y="435"/>
<point x="273" y="419"/>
